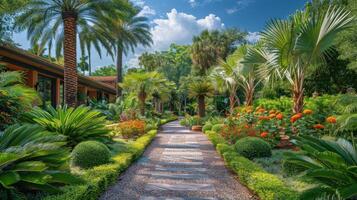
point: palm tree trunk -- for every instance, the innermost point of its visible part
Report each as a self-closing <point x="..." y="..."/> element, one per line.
<point x="119" y="70"/>
<point x="70" y="58"/>
<point x="89" y="63"/>
<point x="142" y="99"/>
<point x="201" y="106"/>
<point x="298" y="94"/>
<point x="232" y="101"/>
<point x="250" y="92"/>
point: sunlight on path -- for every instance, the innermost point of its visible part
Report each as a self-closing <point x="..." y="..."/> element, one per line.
<point x="179" y="164"/>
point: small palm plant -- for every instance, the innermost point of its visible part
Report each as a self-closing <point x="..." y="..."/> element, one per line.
<point x="331" y="164"/>
<point x="78" y="124"/>
<point x="32" y="159"/>
<point x="347" y="121"/>
<point x="201" y="89"/>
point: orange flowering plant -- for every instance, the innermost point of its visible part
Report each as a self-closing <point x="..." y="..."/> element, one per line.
<point x="131" y="128"/>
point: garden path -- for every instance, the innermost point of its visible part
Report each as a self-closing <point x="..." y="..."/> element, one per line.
<point x="178" y="165"/>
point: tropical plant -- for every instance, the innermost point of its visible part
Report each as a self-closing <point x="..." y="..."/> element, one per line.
<point x="293" y="47"/>
<point x="143" y="85"/>
<point x="32" y="159"/>
<point x="127" y="34"/>
<point x="331" y="164"/>
<point x="15" y="98"/>
<point x="347" y="121"/>
<point x="59" y="21"/>
<point x="200" y="89"/>
<point x="89" y="154"/>
<point x="78" y="124"/>
<point x="210" y="46"/>
<point x="105" y="71"/>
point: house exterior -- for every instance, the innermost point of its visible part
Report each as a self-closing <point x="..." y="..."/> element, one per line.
<point x="47" y="77"/>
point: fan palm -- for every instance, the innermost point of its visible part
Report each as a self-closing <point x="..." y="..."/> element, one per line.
<point x="201" y="89"/>
<point x="32" y="159"/>
<point x="127" y="34"/>
<point x="78" y="124"/>
<point x="143" y="84"/>
<point x="295" y="46"/>
<point x="59" y="21"/>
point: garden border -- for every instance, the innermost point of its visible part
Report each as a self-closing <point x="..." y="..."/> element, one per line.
<point x="267" y="186"/>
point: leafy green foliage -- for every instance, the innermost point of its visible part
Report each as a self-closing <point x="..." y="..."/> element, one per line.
<point x="207" y="127"/>
<point x="89" y="154"/>
<point x="252" y="147"/>
<point x="78" y="124"/>
<point x="105" y="71"/>
<point x="15" y="98"/>
<point x="331" y="164"/>
<point x="217" y="128"/>
<point x="32" y="159"/>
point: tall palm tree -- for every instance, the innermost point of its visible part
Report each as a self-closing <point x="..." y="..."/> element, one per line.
<point x="295" y="46"/>
<point x="127" y="35"/>
<point x="201" y="89"/>
<point x="61" y="21"/>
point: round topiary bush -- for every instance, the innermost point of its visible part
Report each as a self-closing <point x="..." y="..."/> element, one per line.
<point x="207" y="127"/>
<point x="252" y="147"/>
<point x="89" y="154"/>
<point x="217" y="128"/>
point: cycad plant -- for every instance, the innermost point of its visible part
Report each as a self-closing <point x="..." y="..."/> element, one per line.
<point x="294" y="47"/>
<point x="32" y="159"/>
<point x="347" y="121"/>
<point x="60" y="22"/>
<point x="332" y="165"/>
<point x="77" y="124"/>
<point x="200" y="89"/>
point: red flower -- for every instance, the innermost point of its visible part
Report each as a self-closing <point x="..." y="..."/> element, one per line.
<point x="264" y="134"/>
<point x="279" y="116"/>
<point x="295" y="117"/>
<point x="331" y="120"/>
<point x="319" y="126"/>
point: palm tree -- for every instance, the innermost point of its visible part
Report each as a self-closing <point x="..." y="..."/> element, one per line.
<point x="295" y="46"/>
<point x="143" y="84"/>
<point x="61" y="21"/>
<point x="211" y="46"/>
<point x="201" y="89"/>
<point x="127" y="34"/>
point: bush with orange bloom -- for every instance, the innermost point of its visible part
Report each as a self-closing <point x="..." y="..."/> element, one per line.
<point x="280" y="116"/>
<point x="307" y="112"/>
<point x="272" y="111"/>
<point x="319" y="126"/>
<point x="264" y="118"/>
<point x="271" y="116"/>
<point x="261" y="110"/>
<point x="331" y="120"/>
<point x="295" y="117"/>
<point x="264" y="134"/>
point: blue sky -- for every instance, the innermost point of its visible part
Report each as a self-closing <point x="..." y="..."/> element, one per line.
<point x="179" y="20"/>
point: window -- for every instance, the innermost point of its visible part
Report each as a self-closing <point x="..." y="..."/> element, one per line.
<point x="46" y="87"/>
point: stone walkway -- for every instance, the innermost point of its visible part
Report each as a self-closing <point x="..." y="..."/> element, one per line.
<point x="179" y="165"/>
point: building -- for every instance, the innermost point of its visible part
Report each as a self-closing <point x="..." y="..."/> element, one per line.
<point x="47" y="77"/>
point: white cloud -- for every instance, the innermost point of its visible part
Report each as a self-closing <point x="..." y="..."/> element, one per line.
<point x="140" y="3"/>
<point x="232" y="10"/>
<point x="253" y="37"/>
<point x="147" y="11"/>
<point x="240" y="4"/>
<point x="176" y="27"/>
<point x="193" y="3"/>
<point x="180" y="27"/>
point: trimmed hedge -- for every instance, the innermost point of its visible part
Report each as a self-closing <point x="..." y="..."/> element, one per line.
<point x="215" y="138"/>
<point x="252" y="147"/>
<point x="207" y="127"/>
<point x="217" y="128"/>
<point x="89" y="154"/>
<point x="99" y="178"/>
<point x="267" y="186"/>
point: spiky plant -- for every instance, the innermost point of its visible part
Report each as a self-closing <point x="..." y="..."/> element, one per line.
<point x="201" y="89"/>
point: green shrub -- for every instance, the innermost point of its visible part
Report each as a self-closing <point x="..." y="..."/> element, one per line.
<point x="183" y="122"/>
<point x="89" y="154"/>
<point x="252" y="147"/>
<point x="215" y="138"/>
<point x="207" y="127"/>
<point x="217" y="128"/>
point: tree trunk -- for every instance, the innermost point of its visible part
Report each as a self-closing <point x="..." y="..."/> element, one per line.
<point x="298" y="94"/>
<point x="70" y="58"/>
<point x="89" y="63"/>
<point x="119" y="70"/>
<point x="232" y="101"/>
<point x="142" y="99"/>
<point x="201" y="106"/>
<point x="250" y="92"/>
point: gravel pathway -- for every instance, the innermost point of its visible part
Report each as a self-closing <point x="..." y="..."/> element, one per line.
<point x="179" y="165"/>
